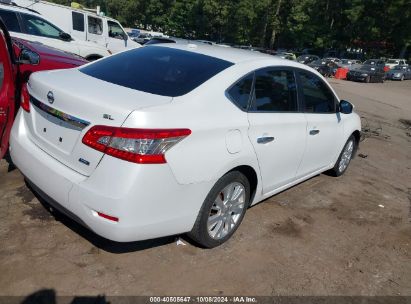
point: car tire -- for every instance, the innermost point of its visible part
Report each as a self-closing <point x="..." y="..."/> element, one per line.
<point x="345" y="157"/>
<point x="222" y="211"/>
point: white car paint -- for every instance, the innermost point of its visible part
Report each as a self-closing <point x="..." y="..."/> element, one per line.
<point x="88" y="50"/>
<point x="62" y="16"/>
<point x="154" y="200"/>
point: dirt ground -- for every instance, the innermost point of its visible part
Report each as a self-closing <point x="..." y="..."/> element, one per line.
<point x="327" y="236"/>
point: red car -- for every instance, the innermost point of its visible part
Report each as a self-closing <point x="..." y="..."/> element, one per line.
<point x="18" y="59"/>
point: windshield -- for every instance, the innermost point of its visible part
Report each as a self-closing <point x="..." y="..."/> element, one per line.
<point x="347" y="61"/>
<point x="393" y="61"/>
<point x="157" y="70"/>
<point x="398" y="67"/>
<point x="372" y="61"/>
<point x="319" y="62"/>
<point x="369" y="68"/>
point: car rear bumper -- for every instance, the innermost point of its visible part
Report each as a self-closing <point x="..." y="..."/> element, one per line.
<point x="146" y="198"/>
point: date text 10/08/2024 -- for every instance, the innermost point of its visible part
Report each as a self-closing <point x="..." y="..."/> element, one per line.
<point x="220" y="299"/>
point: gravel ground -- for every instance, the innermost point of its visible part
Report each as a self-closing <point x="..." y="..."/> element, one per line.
<point x="327" y="236"/>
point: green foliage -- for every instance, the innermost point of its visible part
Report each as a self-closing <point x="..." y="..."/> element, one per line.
<point x="378" y="26"/>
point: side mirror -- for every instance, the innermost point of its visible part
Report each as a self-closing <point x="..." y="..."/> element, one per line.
<point x="65" y="37"/>
<point x="346" y="107"/>
<point x="29" y="57"/>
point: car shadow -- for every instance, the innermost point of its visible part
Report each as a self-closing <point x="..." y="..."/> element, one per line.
<point x="96" y="240"/>
<point x="10" y="163"/>
<point x="49" y="296"/>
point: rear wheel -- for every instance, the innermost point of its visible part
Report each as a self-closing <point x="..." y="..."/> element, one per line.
<point x="345" y="157"/>
<point x="222" y="211"/>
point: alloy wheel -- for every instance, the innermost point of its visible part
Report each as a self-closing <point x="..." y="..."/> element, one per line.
<point x="226" y="210"/>
<point x="346" y="156"/>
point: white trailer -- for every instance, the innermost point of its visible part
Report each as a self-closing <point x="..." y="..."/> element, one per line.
<point x="84" y="24"/>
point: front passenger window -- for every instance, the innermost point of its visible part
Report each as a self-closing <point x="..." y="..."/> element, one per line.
<point x="318" y="98"/>
<point x="275" y="91"/>
<point x="115" y="30"/>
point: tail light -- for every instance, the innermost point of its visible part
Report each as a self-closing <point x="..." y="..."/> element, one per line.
<point x="143" y="146"/>
<point x="25" y="98"/>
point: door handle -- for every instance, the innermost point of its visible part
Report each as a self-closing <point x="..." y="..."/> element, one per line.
<point x="314" y="132"/>
<point x="265" y="140"/>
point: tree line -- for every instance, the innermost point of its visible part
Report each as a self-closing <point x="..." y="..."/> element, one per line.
<point x="379" y="27"/>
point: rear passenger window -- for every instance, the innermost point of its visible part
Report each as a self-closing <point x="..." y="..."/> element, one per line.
<point x="78" y="21"/>
<point x="275" y="91"/>
<point x="239" y="93"/>
<point x="95" y="25"/>
<point x="318" y="98"/>
<point x="11" y="21"/>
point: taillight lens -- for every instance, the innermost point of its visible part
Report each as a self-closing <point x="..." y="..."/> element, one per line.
<point x="143" y="146"/>
<point x="25" y="98"/>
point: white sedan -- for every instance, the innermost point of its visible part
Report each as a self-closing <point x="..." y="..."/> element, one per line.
<point x="177" y="138"/>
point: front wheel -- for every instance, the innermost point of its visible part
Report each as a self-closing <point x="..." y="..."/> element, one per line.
<point x="345" y="157"/>
<point x="222" y="211"/>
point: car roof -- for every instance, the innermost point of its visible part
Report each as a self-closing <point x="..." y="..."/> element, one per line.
<point x="233" y="55"/>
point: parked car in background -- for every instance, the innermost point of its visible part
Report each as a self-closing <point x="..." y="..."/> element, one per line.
<point x="306" y="59"/>
<point x="329" y="69"/>
<point x="367" y="73"/>
<point x="350" y="64"/>
<point x="84" y="25"/>
<point x="138" y="145"/>
<point x="285" y="55"/>
<point x="48" y="58"/>
<point x="394" y="62"/>
<point x="332" y="59"/>
<point x="28" y="25"/>
<point x="157" y="40"/>
<point x="142" y="38"/>
<point x="18" y="59"/>
<point x="377" y="62"/>
<point x="399" y="72"/>
<point x="316" y="64"/>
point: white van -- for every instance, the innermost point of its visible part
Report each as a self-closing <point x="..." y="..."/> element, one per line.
<point x="28" y="25"/>
<point x="84" y="25"/>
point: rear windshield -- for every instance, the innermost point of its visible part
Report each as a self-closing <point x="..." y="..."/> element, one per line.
<point x="157" y="70"/>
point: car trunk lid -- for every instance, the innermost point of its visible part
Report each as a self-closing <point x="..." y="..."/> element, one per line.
<point x="65" y="104"/>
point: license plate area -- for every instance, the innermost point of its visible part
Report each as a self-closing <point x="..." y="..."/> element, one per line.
<point x="56" y="132"/>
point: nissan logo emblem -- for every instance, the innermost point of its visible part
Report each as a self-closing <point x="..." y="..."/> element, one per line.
<point x="50" y="97"/>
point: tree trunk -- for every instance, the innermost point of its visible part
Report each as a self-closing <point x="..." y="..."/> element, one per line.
<point x="274" y="22"/>
<point x="264" y="31"/>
